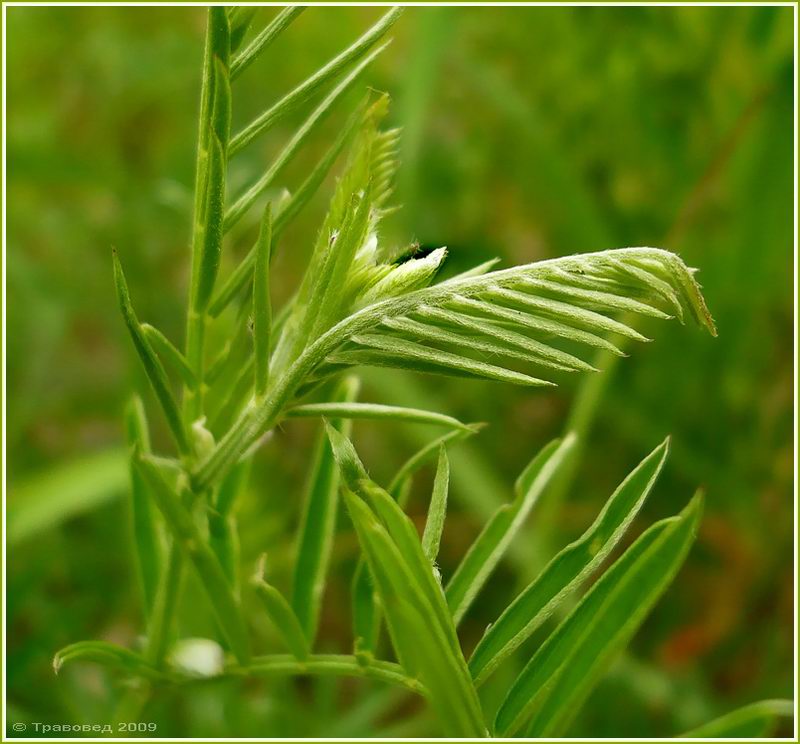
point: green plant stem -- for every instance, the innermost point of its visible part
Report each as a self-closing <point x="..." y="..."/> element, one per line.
<point x="161" y="621"/>
<point x="327" y="665"/>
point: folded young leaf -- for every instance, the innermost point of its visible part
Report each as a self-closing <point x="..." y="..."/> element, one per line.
<point x="566" y="666"/>
<point x="492" y="543"/>
<point x="437" y="510"/>
<point x="150" y="361"/>
<point x="476" y="297"/>
<point x="567" y="569"/>
<point x="754" y="721"/>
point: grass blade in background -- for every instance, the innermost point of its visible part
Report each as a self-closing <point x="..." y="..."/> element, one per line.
<point x="490" y="546"/>
<point x="564" y="669"/>
<point x="318" y="523"/>
<point x="753" y="721"/>
<point x="567" y="569"/>
<point x="45" y="501"/>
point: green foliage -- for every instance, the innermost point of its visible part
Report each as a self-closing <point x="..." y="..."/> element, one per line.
<point x="362" y="303"/>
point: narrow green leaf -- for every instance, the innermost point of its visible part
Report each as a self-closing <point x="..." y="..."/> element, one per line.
<point x="568" y="569"/>
<point x="262" y="306"/>
<point x="434" y="524"/>
<point x="243" y="272"/>
<point x="262" y="41"/>
<point x="374" y="411"/>
<point x="397" y="352"/>
<point x="564" y="669"/>
<point x="239" y="20"/>
<point x="754" y="721"/>
<point x="300" y="137"/>
<point x="143" y="528"/>
<point x="314" y="83"/>
<point x="421" y="645"/>
<point x="212" y="576"/>
<point x="152" y="365"/>
<point x="492" y="543"/>
<point x="281" y="614"/>
<point x="536" y="351"/>
<point x="167" y="350"/>
<point x="318" y="523"/>
<point x="424" y="455"/>
<point x="106" y="654"/>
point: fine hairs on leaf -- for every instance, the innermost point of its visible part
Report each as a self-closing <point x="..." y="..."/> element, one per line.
<point x="251" y="368"/>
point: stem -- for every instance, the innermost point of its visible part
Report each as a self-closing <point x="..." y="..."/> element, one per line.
<point x="327" y="665"/>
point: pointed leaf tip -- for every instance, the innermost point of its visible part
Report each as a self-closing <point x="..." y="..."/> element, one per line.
<point x="345" y="455"/>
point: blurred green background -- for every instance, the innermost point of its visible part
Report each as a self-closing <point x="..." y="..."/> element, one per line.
<point x="528" y="133"/>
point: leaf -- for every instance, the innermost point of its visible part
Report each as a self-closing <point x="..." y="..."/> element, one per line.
<point x="262" y="41"/>
<point x="166" y="349"/>
<point x="567" y="569"/>
<point x="314" y="83"/>
<point x="65" y="490"/>
<point x="143" y="528"/>
<point x="424" y="455"/>
<point x="106" y="654"/>
<point x="434" y="524"/>
<point x="377" y="412"/>
<point x="318" y="523"/>
<point x="212" y="577"/>
<point x="420" y="644"/>
<point x="754" y="721"/>
<point x="243" y="272"/>
<point x="566" y="666"/>
<point x="281" y="614"/>
<point x="300" y="137"/>
<point x="489" y="547"/>
<point x="262" y="307"/>
<point x="150" y="362"/>
<point x="239" y="20"/>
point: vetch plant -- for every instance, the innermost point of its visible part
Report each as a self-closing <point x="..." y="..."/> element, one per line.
<point x="361" y="304"/>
